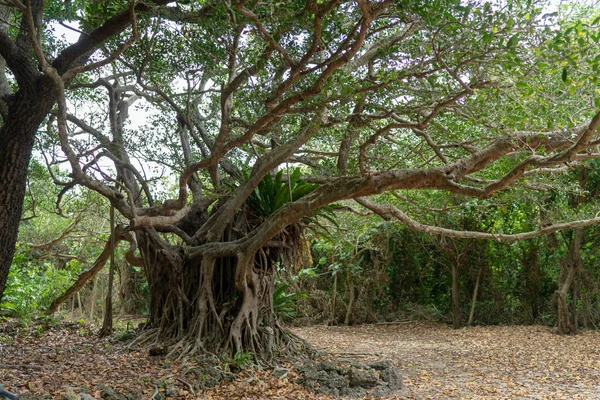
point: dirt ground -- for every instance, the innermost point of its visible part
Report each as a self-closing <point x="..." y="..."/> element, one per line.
<point x="497" y="362"/>
<point x="436" y="362"/>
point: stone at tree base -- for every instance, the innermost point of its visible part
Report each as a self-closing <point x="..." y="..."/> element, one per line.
<point x="392" y="378"/>
<point x="380" y="365"/>
<point x="280" y="372"/>
<point x="378" y="379"/>
<point x="381" y="390"/>
<point x="326" y="366"/>
<point x="208" y="375"/>
<point x="354" y="392"/>
<point x="335" y="380"/>
<point x="109" y="393"/>
<point x="335" y="392"/>
<point x="70" y="395"/>
<point x="363" y="378"/>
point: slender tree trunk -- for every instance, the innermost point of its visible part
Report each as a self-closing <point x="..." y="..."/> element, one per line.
<point x="531" y="266"/>
<point x="456" y="311"/>
<point x="348" y="318"/>
<point x="333" y="299"/>
<point x="574" y="294"/>
<point x="107" y="323"/>
<point x="473" y="302"/>
<point x="569" y="267"/>
<point x="81" y="313"/>
<point x="93" y="300"/>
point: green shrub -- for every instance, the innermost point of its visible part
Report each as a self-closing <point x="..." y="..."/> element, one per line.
<point x="32" y="287"/>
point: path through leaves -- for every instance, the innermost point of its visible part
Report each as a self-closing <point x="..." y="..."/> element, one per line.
<point x="501" y="362"/>
<point x="493" y="362"/>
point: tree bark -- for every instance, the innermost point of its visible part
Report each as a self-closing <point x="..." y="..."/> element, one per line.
<point x="568" y="268"/>
<point x="350" y="280"/>
<point x="333" y="299"/>
<point x="474" y="301"/>
<point x="26" y="113"/>
<point x="107" y="323"/>
<point x="33" y="100"/>
<point x="129" y="281"/>
<point x="531" y="266"/>
<point x="456" y="311"/>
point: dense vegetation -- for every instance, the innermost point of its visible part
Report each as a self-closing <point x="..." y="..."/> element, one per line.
<point x="236" y="164"/>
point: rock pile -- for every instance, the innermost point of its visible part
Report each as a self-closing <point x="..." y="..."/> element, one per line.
<point x="354" y="380"/>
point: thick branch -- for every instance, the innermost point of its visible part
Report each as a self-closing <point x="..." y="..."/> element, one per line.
<point x="90" y="273"/>
<point x="386" y="212"/>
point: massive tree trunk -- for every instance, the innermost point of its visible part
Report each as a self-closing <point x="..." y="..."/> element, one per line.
<point x="26" y="112"/>
<point x="211" y="303"/>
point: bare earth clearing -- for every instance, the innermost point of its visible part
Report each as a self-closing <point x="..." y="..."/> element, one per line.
<point x="502" y="362"/>
<point x="497" y="362"/>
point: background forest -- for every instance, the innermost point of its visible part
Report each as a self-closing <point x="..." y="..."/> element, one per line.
<point x="240" y="164"/>
<point x="389" y="271"/>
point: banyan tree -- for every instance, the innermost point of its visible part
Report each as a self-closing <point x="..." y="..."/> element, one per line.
<point x="219" y="131"/>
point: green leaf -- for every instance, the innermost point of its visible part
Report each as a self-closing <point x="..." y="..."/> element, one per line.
<point x="512" y="42"/>
<point x="522" y="85"/>
<point x="564" y="74"/>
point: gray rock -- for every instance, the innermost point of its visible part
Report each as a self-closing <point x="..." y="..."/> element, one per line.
<point x="392" y="377"/>
<point x="353" y="392"/>
<point x="381" y="390"/>
<point x="280" y="373"/>
<point x="85" y="396"/>
<point x="109" y="393"/>
<point x="311" y="375"/>
<point x="377" y="379"/>
<point x="363" y="378"/>
<point x="335" y="380"/>
<point x="380" y="365"/>
<point x="70" y="395"/>
<point x="209" y="376"/>
<point x="133" y="395"/>
<point x="322" y="375"/>
<point x="335" y="392"/>
<point x="326" y="366"/>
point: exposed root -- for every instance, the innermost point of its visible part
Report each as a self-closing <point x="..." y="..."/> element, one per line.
<point x="214" y="305"/>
